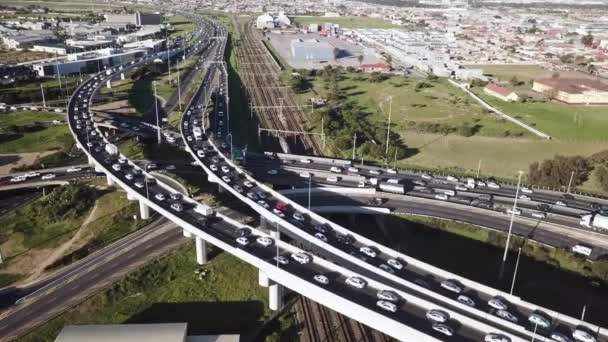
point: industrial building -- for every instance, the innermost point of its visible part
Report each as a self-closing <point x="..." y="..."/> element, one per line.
<point x="161" y="332"/>
<point x="137" y="18"/>
<point x="267" y="21"/>
<point x="312" y="50"/>
<point x="86" y="62"/>
<point x="573" y="90"/>
<point x="25" y="39"/>
<point x="500" y="92"/>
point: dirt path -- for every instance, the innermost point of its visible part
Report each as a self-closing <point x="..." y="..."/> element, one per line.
<point x="62" y="249"/>
<point x="11" y="160"/>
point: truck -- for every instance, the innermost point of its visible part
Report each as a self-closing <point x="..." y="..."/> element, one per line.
<point x="471" y="183"/>
<point x="393" y="188"/>
<point x="595" y="221"/>
<point x="204" y="210"/>
<point x="111" y="149"/>
<point x="198" y="134"/>
<point x="582" y="249"/>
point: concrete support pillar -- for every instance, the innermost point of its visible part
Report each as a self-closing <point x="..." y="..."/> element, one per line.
<point x="352" y="220"/>
<point x="109" y="84"/>
<point x="275" y="296"/>
<point x="122" y="76"/>
<point x="263" y="279"/>
<point x="131" y="196"/>
<point x="201" y="250"/>
<point x="276" y="235"/>
<point x="265" y="224"/>
<point x="110" y="180"/>
<point x="144" y="210"/>
<point x="98" y="168"/>
<point x="381" y="223"/>
<point x="90" y="160"/>
<point x="220" y="189"/>
<point x="187" y="233"/>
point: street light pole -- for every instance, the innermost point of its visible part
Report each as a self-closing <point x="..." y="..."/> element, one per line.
<point x="309" y="189"/>
<point x="570" y="182"/>
<point x="395" y="159"/>
<point x="179" y="91"/>
<point x="354" y="145"/>
<point x="515" y="273"/>
<point x="388" y="124"/>
<point x="42" y="91"/>
<point x="156" y="109"/>
<point x="504" y="257"/>
<point x="478" y="168"/>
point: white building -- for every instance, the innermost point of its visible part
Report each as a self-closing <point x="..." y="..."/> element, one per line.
<point x="264" y="21"/>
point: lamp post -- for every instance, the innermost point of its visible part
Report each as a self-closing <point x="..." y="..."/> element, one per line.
<point x="570" y="182"/>
<point x="515" y="273"/>
<point x="504" y="257"/>
<point x="388" y="124"/>
<point x="146" y="181"/>
<point x="156" y="110"/>
<point x="229" y="136"/>
<point x="42" y="91"/>
<point x="309" y="189"/>
<point x="354" y="144"/>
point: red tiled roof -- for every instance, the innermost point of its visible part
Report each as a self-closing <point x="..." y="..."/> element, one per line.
<point x="574" y="85"/>
<point x="498" y="89"/>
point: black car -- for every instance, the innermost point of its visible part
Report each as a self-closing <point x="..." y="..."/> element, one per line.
<point x="346" y="239"/>
<point x="543" y="207"/>
<point x="243" y="232"/>
<point x="322" y="227"/>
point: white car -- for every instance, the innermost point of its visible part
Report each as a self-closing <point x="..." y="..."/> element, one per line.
<point x="248" y="184"/>
<point x="272" y="172"/>
<point x="321" y="237"/>
<point x="305" y="174"/>
<point x="583" y="336"/>
<point x="426" y="176"/>
<point x="461" y="188"/>
<point x="466" y="300"/>
<point x="514" y="211"/>
<point x="263" y="204"/>
<point x="48" y="176"/>
<point x="226" y="179"/>
<point x="32" y="174"/>
<point x="159" y="197"/>
<point x="498" y="303"/>
<point x="527" y="190"/>
<point x="200" y="153"/>
<point x="388" y="306"/>
<point x="278" y="212"/>
<point x="302" y="258"/>
<point x="177" y="207"/>
<point x="281" y="260"/>
<point x="444" y="329"/>
<point x="374" y="172"/>
<point x="559" y="337"/>
<point x="18" y="179"/>
<point x="225" y="169"/>
<point x="539" y="320"/>
<point x="356" y="282"/>
<point x="368" y="251"/>
<point x="493" y="337"/>
<point x="493" y="185"/>
<point x="391" y="171"/>
<point x="524" y="197"/>
<point x="442" y="197"/>
<point x="539" y="215"/>
<point x="73" y="169"/>
<point x="451" y="285"/>
<point x="321" y="279"/>
<point x="353" y="169"/>
<point x="298" y="217"/>
<point x="388" y="296"/>
<point x="213" y="167"/>
<point x="264" y="241"/>
<point x="305" y="161"/>
<point x="332" y="179"/>
<point x="395" y="263"/>
<point x="336" y="169"/>
<point x="116" y="167"/>
<point x="561" y="203"/>
<point x="361" y="184"/>
<point x="451" y="178"/>
<point x="439" y="316"/>
<point x="504" y="314"/>
<point x="139" y="185"/>
<point x="122" y="161"/>
<point x="242" y="240"/>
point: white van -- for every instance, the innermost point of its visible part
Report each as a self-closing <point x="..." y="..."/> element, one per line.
<point x="584" y="250"/>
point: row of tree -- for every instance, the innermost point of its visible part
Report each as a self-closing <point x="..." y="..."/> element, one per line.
<point x="561" y="171"/>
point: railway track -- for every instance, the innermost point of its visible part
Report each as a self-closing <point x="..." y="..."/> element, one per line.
<point x="274" y="106"/>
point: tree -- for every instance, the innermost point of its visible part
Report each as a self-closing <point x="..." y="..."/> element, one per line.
<point x="556" y="172"/>
<point x="360" y="59"/>
<point x="298" y="84"/>
<point x="466" y="130"/>
<point x="601" y="173"/>
<point x="587" y="40"/>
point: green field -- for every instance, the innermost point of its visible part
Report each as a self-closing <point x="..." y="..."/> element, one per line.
<point x="52" y="138"/>
<point x="523" y="72"/>
<point x="180" y="25"/>
<point x="440" y="104"/>
<point x="346" y="22"/>
<point x="563" y="122"/>
<point x="24" y="118"/>
<point x="227" y="299"/>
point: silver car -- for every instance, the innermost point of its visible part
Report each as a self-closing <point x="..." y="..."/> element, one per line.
<point x="438" y="316"/>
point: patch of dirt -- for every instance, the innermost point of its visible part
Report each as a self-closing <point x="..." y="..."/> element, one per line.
<point x="9" y="161"/>
<point x="121" y="107"/>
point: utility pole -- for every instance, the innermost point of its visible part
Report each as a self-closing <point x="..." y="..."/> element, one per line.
<point x="395" y="159"/>
<point x="388" y="124"/>
<point x="156" y="109"/>
<point x="179" y="91"/>
<point x="504" y="257"/>
<point x="42" y="91"/>
<point x="570" y="182"/>
<point x="478" y="169"/>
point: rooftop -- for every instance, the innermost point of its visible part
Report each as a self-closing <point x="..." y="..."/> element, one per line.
<point x="574" y="85"/>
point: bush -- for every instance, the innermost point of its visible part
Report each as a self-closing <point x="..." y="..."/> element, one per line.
<point x="556" y="172"/>
<point x="65" y="202"/>
<point x="422" y="85"/>
<point x="466" y="130"/>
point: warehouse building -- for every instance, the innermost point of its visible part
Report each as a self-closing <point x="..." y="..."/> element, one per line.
<point x="573" y="90"/>
<point x="137" y="18"/>
<point x="312" y="50"/>
<point x="86" y="62"/>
